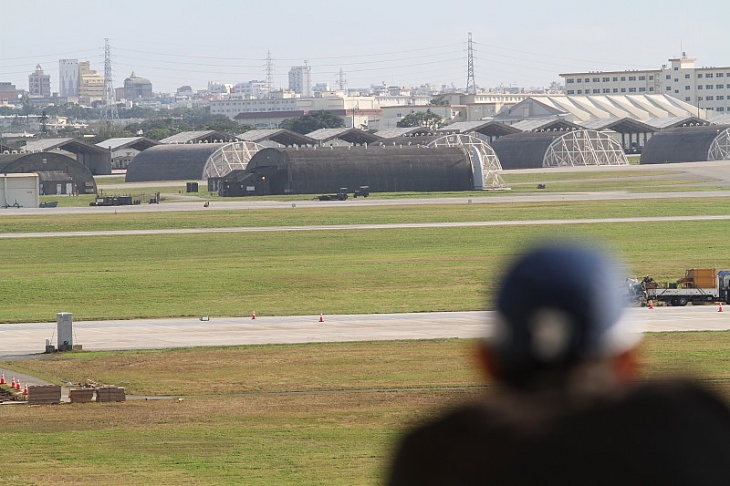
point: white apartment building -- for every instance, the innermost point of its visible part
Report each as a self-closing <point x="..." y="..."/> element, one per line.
<point x="68" y="78"/>
<point x="250" y="89"/>
<point x="707" y="88"/>
<point x="300" y="80"/>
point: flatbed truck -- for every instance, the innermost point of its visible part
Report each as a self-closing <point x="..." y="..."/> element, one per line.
<point x="698" y="286"/>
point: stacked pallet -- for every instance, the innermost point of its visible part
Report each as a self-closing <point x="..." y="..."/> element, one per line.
<point x="110" y="394"/>
<point x="44" y="394"/>
<point x="81" y="395"/>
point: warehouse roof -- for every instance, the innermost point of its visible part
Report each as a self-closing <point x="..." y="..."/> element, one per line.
<point x="137" y="143"/>
<point x="279" y="135"/>
<point x="353" y="136"/>
<point x="490" y="128"/>
<point x="68" y="144"/>
<point x="209" y="136"/>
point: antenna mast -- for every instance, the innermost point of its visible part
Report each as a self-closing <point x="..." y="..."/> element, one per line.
<point x="110" y="98"/>
<point x="471" y="85"/>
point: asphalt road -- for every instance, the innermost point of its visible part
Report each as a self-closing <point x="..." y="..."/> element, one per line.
<point x="19" y="341"/>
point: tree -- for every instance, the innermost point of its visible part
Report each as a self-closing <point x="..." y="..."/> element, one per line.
<point x="426" y="119"/>
<point x="312" y="121"/>
<point x="440" y="100"/>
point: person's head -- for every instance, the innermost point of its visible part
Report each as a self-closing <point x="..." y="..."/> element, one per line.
<point x="560" y="307"/>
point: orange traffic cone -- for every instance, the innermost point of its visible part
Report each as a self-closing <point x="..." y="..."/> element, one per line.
<point x="12" y="383"/>
<point x="17" y="385"/>
<point x="651" y="305"/>
<point x="321" y="317"/>
<point x="253" y="315"/>
<point x="25" y="390"/>
<point x="720" y="309"/>
<point x="2" y="379"/>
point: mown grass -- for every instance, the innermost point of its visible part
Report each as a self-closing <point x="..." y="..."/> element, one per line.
<point x="285" y="414"/>
<point x="304" y="272"/>
<point x="432" y="213"/>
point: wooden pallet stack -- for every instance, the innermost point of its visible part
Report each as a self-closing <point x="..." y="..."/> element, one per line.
<point x="44" y="394"/>
<point x="81" y="395"/>
<point x="110" y="394"/>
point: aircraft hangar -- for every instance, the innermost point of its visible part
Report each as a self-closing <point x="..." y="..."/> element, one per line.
<point x="688" y="144"/>
<point x="559" y="148"/>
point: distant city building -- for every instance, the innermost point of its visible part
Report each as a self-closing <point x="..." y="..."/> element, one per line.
<point x="707" y="88"/>
<point x="300" y="80"/>
<point x="219" y="88"/>
<point x="250" y="90"/>
<point x="68" y="78"/>
<point x="137" y="88"/>
<point x="8" y="92"/>
<point x="91" y="84"/>
<point x="39" y="83"/>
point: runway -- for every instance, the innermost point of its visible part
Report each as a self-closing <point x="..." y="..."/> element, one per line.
<point x="19" y="341"/>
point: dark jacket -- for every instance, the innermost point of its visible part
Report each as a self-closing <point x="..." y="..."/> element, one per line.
<point x="653" y="434"/>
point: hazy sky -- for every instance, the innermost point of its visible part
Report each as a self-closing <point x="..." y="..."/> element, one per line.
<point x="398" y="42"/>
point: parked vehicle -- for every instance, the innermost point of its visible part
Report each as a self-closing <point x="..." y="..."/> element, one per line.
<point x="699" y="285"/>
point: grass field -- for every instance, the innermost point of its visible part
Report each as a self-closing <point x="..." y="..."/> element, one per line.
<point x="269" y="415"/>
<point x="299" y="273"/>
<point x="297" y="414"/>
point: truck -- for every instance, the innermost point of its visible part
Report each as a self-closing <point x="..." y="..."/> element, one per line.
<point x="698" y="286"/>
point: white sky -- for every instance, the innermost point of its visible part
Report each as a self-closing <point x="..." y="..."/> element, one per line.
<point x="397" y="42"/>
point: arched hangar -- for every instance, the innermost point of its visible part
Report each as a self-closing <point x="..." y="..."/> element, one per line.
<point x="533" y="150"/>
<point x="190" y="161"/>
<point x="58" y="173"/>
<point x="688" y="144"/>
<point x="326" y="170"/>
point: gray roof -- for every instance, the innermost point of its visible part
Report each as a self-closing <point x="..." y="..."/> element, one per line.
<point x="485" y="127"/>
<point x="43" y="144"/>
<point x="197" y="136"/>
<point x="139" y="143"/>
<point x="68" y="144"/>
<point x="278" y="135"/>
<point x="350" y="135"/>
<point x="547" y="123"/>
<point x="403" y="131"/>
<point x="674" y="121"/>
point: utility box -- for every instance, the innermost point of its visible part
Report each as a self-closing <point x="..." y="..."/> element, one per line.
<point x="64" y="331"/>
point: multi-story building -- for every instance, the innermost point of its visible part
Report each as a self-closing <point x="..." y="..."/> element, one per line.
<point x="300" y="80"/>
<point x="8" y="92"/>
<point x="137" y="88"/>
<point x="68" y="78"/>
<point x="91" y="84"/>
<point x="39" y="83"/>
<point x="250" y="89"/>
<point x="707" y="88"/>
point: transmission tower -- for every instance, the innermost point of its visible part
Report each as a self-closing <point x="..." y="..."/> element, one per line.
<point x="341" y="82"/>
<point x="110" y="98"/>
<point x="269" y="73"/>
<point x="471" y="84"/>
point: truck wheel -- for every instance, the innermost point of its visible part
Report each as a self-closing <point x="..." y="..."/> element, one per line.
<point x="682" y="301"/>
